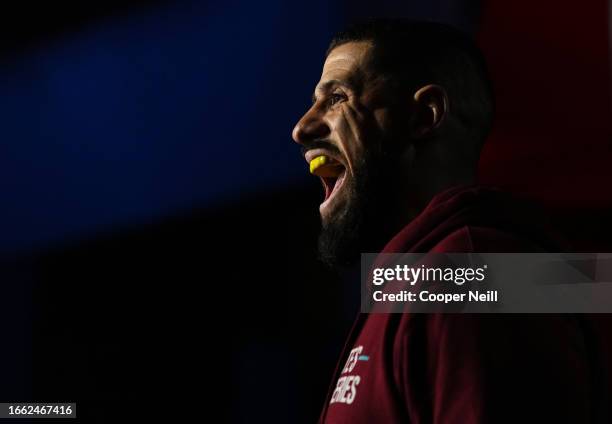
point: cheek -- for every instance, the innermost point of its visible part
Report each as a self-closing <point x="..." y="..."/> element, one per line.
<point x="395" y="125"/>
<point x="356" y="133"/>
<point x="382" y="118"/>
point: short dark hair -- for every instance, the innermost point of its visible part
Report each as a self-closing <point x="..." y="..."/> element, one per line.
<point x="418" y="53"/>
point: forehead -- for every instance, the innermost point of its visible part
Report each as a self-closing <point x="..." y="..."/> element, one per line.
<point x="347" y="61"/>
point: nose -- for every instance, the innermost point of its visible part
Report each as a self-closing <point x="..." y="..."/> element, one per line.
<point x="311" y="126"/>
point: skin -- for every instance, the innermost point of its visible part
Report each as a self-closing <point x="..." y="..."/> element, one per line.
<point x="357" y="111"/>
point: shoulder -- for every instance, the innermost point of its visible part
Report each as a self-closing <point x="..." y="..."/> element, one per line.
<point x="483" y="239"/>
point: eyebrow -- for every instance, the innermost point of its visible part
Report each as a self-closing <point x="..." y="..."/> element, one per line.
<point x="329" y="83"/>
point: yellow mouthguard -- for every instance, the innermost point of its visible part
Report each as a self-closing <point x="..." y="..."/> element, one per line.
<point x="317" y="163"/>
<point x="324" y="166"/>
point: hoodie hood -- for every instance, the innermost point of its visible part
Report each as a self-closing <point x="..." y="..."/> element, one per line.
<point x="487" y="208"/>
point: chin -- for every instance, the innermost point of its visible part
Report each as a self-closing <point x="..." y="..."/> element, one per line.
<point x="340" y="237"/>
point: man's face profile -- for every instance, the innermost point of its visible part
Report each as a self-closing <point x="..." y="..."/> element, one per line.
<point x="348" y="140"/>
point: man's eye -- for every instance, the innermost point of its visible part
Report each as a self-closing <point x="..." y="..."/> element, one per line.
<point x="336" y="98"/>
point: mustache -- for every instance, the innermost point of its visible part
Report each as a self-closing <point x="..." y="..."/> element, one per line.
<point x="320" y="144"/>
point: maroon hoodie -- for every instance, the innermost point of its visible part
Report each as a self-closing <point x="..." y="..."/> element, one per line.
<point x="468" y="368"/>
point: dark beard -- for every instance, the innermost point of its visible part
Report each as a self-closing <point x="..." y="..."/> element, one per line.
<point x="365" y="224"/>
<point x="340" y="239"/>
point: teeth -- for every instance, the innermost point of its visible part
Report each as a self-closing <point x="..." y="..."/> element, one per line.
<point x="324" y="166"/>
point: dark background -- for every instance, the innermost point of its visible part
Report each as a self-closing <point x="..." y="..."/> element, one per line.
<point x="158" y="227"/>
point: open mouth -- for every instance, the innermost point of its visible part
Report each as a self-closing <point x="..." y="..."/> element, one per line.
<point x="332" y="174"/>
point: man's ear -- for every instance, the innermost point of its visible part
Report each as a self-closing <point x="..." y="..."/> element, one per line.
<point x="431" y="108"/>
